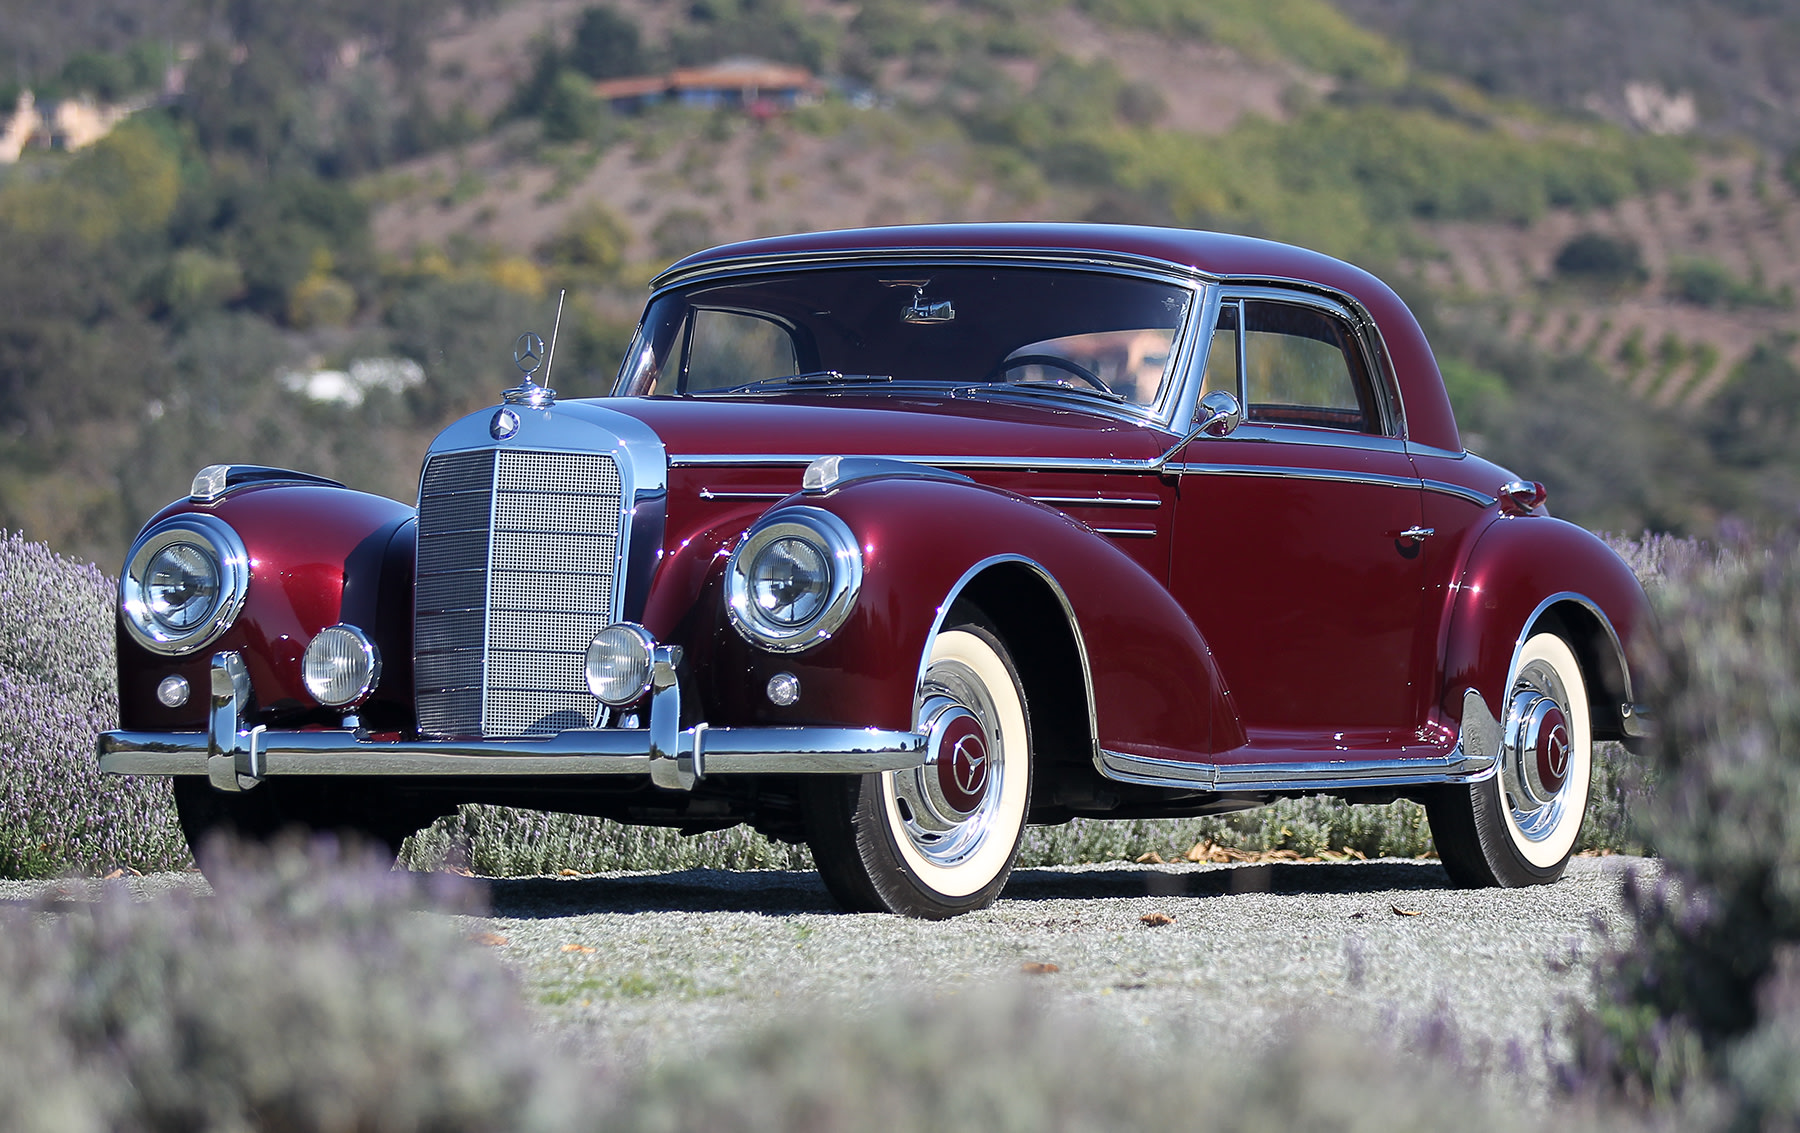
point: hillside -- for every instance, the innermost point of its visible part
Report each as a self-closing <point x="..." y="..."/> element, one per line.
<point x="318" y="245"/>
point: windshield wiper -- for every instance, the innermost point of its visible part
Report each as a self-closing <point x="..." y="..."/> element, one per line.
<point x="1059" y="386"/>
<point x="814" y="378"/>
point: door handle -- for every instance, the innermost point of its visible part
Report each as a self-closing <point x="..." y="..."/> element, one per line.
<point x="1418" y="534"/>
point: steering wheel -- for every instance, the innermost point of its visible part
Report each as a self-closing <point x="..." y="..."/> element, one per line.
<point x="1054" y="361"/>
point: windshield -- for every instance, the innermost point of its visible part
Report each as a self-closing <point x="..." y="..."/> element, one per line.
<point x="1108" y="336"/>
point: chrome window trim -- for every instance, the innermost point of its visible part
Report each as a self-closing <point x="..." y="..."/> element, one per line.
<point x="1178" y="390"/>
<point x="1313" y="436"/>
<point x="1419" y="449"/>
<point x="1193" y="375"/>
<point x="233" y="561"/>
<point x="967" y="255"/>
<point x="1363" y="328"/>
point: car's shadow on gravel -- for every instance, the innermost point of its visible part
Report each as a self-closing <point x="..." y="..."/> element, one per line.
<point x="790" y="892"/>
<point x="1052" y="884"/>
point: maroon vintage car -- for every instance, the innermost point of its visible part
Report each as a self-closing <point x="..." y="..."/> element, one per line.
<point x="895" y="541"/>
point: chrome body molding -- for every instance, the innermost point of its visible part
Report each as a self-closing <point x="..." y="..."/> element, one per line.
<point x="1475" y="757"/>
<point x="1060" y="502"/>
<point x="1127" y="532"/>
<point x="830" y="472"/>
<point x="1479" y="499"/>
<point x="235" y="758"/>
<point x="1306" y="777"/>
<point x="216" y="481"/>
<point x="710" y="494"/>
<point x="1286" y="472"/>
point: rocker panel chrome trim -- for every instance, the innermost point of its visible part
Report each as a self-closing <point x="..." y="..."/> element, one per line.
<point x="1322" y="775"/>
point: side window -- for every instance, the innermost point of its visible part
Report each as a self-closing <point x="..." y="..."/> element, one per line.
<point x="1302" y="367"/>
<point x="727" y="349"/>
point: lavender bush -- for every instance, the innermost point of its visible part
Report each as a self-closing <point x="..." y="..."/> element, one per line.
<point x="308" y="994"/>
<point x="1001" y="1060"/>
<point x="316" y="990"/>
<point x="57" y="691"/>
<point x="1702" y="1008"/>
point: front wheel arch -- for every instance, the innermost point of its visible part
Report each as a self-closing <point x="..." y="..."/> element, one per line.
<point x="1027" y="611"/>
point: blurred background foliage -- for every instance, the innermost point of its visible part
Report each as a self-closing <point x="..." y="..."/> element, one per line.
<point x="307" y="186"/>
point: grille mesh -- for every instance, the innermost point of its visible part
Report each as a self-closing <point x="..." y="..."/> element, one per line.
<point x="501" y="643"/>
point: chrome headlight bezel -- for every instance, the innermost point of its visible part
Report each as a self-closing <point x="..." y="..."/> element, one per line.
<point x="214" y="538"/>
<point x="840" y="554"/>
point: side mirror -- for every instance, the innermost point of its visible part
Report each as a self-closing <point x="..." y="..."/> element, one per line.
<point x="1220" y="414"/>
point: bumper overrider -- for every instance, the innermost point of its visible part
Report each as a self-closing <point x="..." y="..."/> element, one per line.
<point x="236" y="758"/>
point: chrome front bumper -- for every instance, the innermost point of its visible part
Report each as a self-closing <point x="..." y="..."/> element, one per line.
<point x="236" y="759"/>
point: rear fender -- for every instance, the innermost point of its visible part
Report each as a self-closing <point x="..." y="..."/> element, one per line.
<point x="1536" y="574"/>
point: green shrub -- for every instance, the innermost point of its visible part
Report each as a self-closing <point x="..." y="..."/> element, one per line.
<point x="1613" y="261"/>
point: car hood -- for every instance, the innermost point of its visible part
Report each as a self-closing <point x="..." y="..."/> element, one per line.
<point x="793" y="427"/>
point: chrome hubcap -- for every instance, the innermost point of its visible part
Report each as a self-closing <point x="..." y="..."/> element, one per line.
<point x="947" y="806"/>
<point x="1536" y="750"/>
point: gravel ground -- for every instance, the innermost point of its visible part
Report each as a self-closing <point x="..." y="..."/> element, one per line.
<point x="639" y="968"/>
<point x="646" y="967"/>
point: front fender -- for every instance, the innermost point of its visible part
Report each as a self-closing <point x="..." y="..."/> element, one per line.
<point x="1149" y="676"/>
<point x="319" y="555"/>
<point x="1535" y="573"/>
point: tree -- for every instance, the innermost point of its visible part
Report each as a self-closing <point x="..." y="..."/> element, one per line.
<point x="608" y="45"/>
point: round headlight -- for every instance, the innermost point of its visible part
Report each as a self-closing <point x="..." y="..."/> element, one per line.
<point x="790" y="579"/>
<point x="184" y="582"/>
<point x="340" y="666"/>
<point x="793" y="579"/>
<point x="618" y="664"/>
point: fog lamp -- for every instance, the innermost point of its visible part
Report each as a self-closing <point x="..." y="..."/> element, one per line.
<point x="618" y="664"/>
<point x="341" y="666"/>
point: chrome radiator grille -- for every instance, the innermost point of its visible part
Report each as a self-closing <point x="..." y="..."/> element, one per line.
<point x="517" y="556"/>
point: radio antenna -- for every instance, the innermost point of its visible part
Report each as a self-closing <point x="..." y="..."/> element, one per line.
<point x="551" y="360"/>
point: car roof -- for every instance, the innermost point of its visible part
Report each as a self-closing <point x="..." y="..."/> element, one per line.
<point x="1221" y="255"/>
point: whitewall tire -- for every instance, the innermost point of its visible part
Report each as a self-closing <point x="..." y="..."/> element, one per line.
<point x="1519" y="826"/>
<point x="940" y="839"/>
